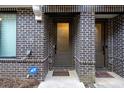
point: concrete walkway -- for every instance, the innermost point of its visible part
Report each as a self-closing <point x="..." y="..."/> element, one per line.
<point x="71" y="81"/>
<point x="116" y="82"/>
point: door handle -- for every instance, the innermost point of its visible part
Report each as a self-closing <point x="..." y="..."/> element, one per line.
<point x="55" y="48"/>
<point x="103" y="49"/>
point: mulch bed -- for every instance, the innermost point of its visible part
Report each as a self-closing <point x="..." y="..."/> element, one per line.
<point x="17" y="83"/>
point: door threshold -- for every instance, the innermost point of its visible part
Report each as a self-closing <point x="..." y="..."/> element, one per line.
<point x="69" y="68"/>
<point x="101" y="69"/>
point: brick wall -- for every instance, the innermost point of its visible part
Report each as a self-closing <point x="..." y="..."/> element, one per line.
<point x="30" y="35"/>
<point x="109" y="43"/>
<point x="114" y="38"/>
<point x="19" y="68"/>
<point x="118" y="45"/>
<point x="76" y="43"/>
<point x="85" y="48"/>
<point x="50" y="29"/>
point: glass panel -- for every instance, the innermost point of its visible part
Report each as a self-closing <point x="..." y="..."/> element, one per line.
<point x="8" y="35"/>
<point x="63" y="37"/>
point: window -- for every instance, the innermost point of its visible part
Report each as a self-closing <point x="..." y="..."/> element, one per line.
<point x="7" y="35"/>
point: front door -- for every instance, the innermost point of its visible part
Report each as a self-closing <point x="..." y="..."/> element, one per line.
<point x="63" y="49"/>
<point x="99" y="45"/>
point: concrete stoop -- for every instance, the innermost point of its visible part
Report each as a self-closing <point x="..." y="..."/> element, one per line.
<point x="116" y="82"/>
<point x="71" y="81"/>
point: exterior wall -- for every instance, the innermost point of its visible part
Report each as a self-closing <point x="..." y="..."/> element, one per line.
<point x="37" y="37"/>
<point x="109" y="44"/>
<point x="31" y="35"/>
<point x="118" y="45"/>
<point x="50" y="27"/>
<point x="19" y="68"/>
<point x="85" y="47"/>
<point x="115" y="44"/>
<point x="76" y="43"/>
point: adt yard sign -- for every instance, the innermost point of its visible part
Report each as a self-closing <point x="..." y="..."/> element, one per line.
<point x="32" y="70"/>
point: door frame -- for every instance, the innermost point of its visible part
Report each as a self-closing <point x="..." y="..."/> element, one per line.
<point x="64" y="20"/>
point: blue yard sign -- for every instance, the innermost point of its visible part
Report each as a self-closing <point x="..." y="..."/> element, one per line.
<point x="33" y="70"/>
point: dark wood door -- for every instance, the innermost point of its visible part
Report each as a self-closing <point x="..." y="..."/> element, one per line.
<point x="63" y="49"/>
<point x="100" y="45"/>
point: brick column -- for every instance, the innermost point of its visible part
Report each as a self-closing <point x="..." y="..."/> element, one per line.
<point x="86" y="58"/>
